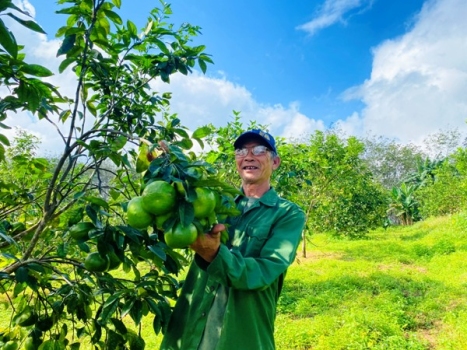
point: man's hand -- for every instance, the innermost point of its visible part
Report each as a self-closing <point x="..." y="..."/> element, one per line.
<point x="207" y="245"/>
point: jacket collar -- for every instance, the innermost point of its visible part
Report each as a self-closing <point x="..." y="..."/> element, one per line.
<point x="270" y="198"/>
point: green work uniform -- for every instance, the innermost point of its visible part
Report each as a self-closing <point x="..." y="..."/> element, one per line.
<point x="249" y="271"/>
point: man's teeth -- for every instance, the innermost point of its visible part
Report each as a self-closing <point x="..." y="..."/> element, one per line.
<point x="250" y="167"/>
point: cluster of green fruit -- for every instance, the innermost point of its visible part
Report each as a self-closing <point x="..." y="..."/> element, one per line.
<point x="94" y="261"/>
<point x="158" y="206"/>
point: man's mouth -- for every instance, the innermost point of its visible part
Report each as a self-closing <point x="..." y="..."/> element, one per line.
<point x="250" y="168"/>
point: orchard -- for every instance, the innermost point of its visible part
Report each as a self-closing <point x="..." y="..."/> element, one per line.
<point x="88" y="238"/>
<point x="94" y="240"/>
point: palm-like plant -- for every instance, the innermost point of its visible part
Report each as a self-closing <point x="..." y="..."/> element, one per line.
<point x="403" y="204"/>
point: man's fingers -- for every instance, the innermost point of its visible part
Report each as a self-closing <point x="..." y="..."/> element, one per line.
<point x="217" y="229"/>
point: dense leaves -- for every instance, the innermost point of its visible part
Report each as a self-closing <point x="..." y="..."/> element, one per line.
<point x="61" y="217"/>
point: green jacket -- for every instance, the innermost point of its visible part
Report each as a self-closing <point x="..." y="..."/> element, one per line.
<point x="263" y="242"/>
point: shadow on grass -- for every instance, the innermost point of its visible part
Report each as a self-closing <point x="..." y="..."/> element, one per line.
<point x="416" y="304"/>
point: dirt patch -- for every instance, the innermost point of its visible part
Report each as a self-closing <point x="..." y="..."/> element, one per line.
<point x="431" y="334"/>
<point x="314" y="256"/>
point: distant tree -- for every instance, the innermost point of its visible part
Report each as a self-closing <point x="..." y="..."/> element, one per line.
<point x="390" y="162"/>
<point x="447" y="193"/>
<point x="444" y="143"/>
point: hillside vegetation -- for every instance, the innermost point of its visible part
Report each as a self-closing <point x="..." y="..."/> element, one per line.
<point x="401" y="288"/>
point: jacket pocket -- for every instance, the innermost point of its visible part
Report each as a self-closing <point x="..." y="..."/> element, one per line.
<point x="256" y="236"/>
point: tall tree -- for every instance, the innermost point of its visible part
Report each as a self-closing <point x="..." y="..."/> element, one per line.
<point x="389" y="161"/>
<point x="54" y="295"/>
<point x="327" y="177"/>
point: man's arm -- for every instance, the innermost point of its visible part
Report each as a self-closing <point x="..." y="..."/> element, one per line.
<point x="231" y="268"/>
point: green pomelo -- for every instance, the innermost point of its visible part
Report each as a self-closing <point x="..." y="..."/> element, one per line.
<point x="180" y="236"/>
<point x="96" y="263"/>
<point x="136" y="216"/>
<point x="159" y="198"/>
<point x="204" y="203"/>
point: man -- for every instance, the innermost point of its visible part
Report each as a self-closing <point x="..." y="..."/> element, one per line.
<point x="229" y="298"/>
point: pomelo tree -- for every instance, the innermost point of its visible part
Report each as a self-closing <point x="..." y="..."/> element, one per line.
<point x="71" y="267"/>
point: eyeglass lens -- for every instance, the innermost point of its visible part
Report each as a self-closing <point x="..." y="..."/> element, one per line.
<point x="256" y="150"/>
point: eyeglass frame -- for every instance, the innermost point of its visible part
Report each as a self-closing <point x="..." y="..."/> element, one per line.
<point x="262" y="151"/>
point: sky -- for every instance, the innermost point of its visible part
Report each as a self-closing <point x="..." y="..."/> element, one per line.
<point x="396" y="69"/>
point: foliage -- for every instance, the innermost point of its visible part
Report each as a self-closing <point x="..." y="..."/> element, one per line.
<point x="447" y="194"/>
<point x="56" y="213"/>
<point x="389" y="161"/>
<point x="403" y="205"/>
<point x="327" y="178"/>
<point x="30" y="92"/>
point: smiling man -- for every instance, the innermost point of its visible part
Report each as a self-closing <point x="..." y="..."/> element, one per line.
<point x="229" y="298"/>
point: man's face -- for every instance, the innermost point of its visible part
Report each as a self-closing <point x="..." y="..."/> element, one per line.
<point x="256" y="169"/>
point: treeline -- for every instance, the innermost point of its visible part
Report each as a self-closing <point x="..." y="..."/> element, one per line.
<point x="349" y="185"/>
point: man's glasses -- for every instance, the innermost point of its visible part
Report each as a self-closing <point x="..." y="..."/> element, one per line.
<point x="256" y="150"/>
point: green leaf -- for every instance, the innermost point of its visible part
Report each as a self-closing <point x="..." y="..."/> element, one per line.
<point x="7" y="40"/>
<point x="22" y="274"/>
<point x="206" y="59"/>
<point x="65" y="63"/>
<point x="98" y="201"/>
<point x="118" y="143"/>
<point x="7" y="238"/>
<point x="201" y="132"/>
<point x="202" y="65"/>
<point x="114" y="17"/>
<point x="136" y="312"/>
<point x="132" y="29"/>
<point x="67" y="44"/>
<point x="187" y="213"/>
<point x="158" y="251"/>
<point x="181" y="132"/>
<point x="131" y="233"/>
<point x="162" y="46"/>
<point x="119" y="326"/>
<point x="4" y="4"/>
<point x="117" y="3"/>
<point x="104" y="24"/>
<point x="109" y="308"/>
<point x="37" y="70"/>
<point x="28" y="24"/>
<point x="4" y="140"/>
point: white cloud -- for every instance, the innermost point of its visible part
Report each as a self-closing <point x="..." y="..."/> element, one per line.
<point x="200" y="100"/>
<point x="418" y="81"/>
<point x="331" y="12"/>
<point x="417" y="85"/>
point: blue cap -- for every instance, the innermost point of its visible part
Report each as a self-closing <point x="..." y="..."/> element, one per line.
<point x="265" y="138"/>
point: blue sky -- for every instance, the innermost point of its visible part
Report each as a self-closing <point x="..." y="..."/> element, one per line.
<point x="392" y="68"/>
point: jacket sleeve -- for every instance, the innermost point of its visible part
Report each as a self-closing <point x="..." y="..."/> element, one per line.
<point x="233" y="269"/>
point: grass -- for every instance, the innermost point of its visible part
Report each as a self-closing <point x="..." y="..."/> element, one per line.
<point x="400" y="288"/>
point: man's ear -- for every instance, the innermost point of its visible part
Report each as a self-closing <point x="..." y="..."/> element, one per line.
<point x="276" y="161"/>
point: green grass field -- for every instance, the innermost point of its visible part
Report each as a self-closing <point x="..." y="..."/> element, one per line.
<point x="401" y="288"/>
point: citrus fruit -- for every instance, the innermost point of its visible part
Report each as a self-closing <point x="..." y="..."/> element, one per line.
<point x="158" y="198"/>
<point x="136" y="216"/>
<point x="181" y="236"/>
<point x="29" y="344"/>
<point x="80" y="230"/>
<point x="96" y="263"/>
<point x="10" y="345"/>
<point x="204" y="203"/>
